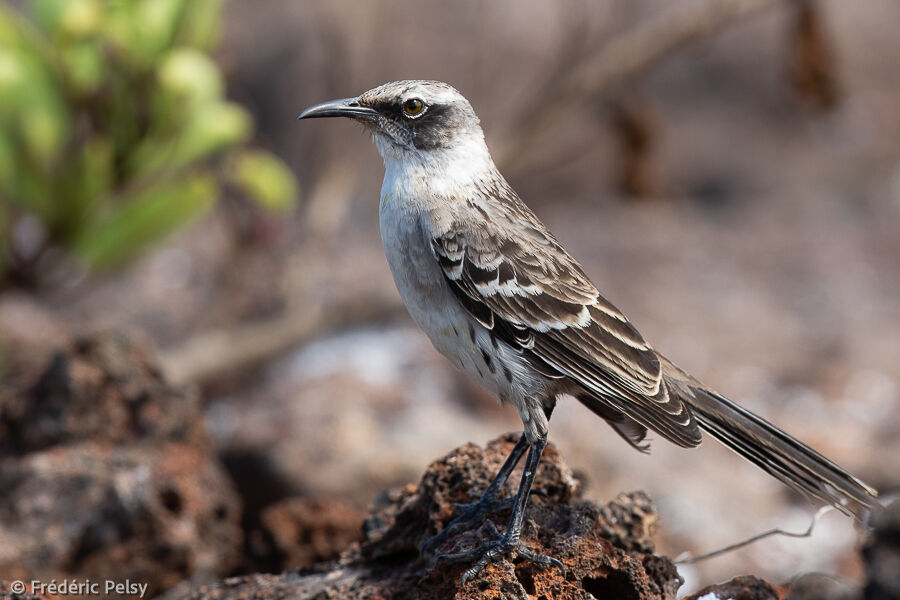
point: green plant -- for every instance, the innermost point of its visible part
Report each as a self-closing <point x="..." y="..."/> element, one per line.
<point x="114" y="129"/>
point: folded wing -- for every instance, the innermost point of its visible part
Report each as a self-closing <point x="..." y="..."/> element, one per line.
<point x="531" y="294"/>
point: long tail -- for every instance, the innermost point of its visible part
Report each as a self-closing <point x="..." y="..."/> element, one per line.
<point x="784" y="457"/>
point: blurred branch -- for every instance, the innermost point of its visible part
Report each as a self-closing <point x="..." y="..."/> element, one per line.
<point x="812" y="66"/>
<point x="624" y="56"/>
<point x="636" y="134"/>
<point x="686" y="559"/>
<point x="235" y="349"/>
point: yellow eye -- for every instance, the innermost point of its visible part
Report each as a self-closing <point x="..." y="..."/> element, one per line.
<point x="413" y="107"/>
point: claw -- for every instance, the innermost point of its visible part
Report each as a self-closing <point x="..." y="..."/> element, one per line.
<point x="496" y="549"/>
<point x="492" y="529"/>
<point x="488" y="556"/>
<point x="542" y="560"/>
<point x="472" y="515"/>
<point x="475" y="514"/>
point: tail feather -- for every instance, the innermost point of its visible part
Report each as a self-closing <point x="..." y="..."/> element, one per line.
<point x="628" y="429"/>
<point x="781" y="455"/>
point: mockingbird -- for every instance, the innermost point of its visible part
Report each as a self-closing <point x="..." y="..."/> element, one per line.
<point x="501" y="298"/>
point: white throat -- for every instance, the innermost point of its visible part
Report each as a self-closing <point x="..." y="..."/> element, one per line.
<point x="438" y="173"/>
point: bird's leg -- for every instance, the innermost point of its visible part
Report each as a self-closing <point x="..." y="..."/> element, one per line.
<point x="473" y="514"/>
<point x="509" y="543"/>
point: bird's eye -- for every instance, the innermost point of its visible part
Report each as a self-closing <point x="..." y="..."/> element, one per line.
<point x="413" y="107"/>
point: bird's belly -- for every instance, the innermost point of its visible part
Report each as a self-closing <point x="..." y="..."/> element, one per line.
<point x="434" y="308"/>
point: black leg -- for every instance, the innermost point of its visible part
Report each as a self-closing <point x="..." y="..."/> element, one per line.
<point x="472" y="515"/>
<point x="514" y="527"/>
<point x="509" y="542"/>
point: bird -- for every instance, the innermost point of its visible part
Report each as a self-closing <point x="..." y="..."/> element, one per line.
<point x="499" y="296"/>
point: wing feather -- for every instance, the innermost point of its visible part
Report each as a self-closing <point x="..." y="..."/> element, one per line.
<point x="535" y="297"/>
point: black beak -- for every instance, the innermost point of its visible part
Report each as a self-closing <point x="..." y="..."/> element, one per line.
<point x="345" y="107"/>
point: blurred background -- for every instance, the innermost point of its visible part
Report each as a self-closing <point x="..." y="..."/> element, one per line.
<point x="732" y="163"/>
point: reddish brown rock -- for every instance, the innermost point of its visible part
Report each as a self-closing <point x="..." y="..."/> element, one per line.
<point x="106" y="473"/>
<point x="150" y="513"/>
<point x="100" y="389"/>
<point x="306" y="531"/>
<point x="740" y="588"/>
<point x="607" y="550"/>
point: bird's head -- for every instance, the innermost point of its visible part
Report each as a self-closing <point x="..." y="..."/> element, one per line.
<point x="408" y="116"/>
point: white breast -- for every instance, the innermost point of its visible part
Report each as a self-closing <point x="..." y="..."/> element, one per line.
<point x="419" y="278"/>
<point x="453" y="332"/>
<point x="419" y="201"/>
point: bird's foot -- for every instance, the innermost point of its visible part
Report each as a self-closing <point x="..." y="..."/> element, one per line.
<point x="499" y="547"/>
<point x="469" y="516"/>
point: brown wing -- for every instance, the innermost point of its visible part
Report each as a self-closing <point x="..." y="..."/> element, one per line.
<point x="534" y="296"/>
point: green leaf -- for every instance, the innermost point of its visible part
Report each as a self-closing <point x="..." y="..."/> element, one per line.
<point x="213" y="129"/>
<point x="265" y="178"/>
<point x="32" y="191"/>
<point x="189" y="78"/>
<point x="96" y="167"/>
<point x="9" y="34"/>
<point x="44" y="131"/>
<point x="110" y="112"/>
<point x="31" y="106"/>
<point x="69" y="18"/>
<point x="81" y="185"/>
<point x="202" y="26"/>
<point x="7" y="164"/>
<point x="13" y="78"/>
<point x="143" y="219"/>
<point x="159" y="20"/>
<point x="84" y="66"/>
<point x="143" y="29"/>
<point x="14" y="29"/>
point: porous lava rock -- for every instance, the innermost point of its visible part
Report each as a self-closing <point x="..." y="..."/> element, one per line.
<point x="106" y="473"/>
<point x="745" y="587"/>
<point x="607" y="549"/>
<point x="303" y="531"/>
<point x="105" y="389"/>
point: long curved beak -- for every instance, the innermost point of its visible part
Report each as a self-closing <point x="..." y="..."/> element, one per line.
<point x="344" y="107"/>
